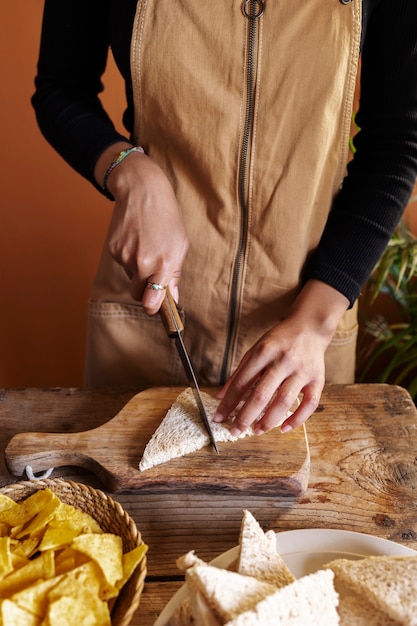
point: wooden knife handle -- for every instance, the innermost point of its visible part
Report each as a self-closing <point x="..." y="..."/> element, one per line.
<point x="170" y="316"/>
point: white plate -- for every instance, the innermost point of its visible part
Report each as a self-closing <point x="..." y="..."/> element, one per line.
<point x="306" y="551"/>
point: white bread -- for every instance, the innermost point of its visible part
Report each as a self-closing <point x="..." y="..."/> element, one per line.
<point x="226" y="594"/>
<point x="309" y="601"/>
<point x="382" y="590"/>
<point x="358" y="611"/>
<point x="182" y="615"/>
<point x="258" y="556"/>
<point x="189" y="560"/>
<point x="182" y="432"/>
<point x="185" y="614"/>
<point x="201" y="613"/>
<point x="388" y="582"/>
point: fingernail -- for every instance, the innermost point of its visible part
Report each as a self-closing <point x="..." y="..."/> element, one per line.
<point x="258" y="431"/>
<point x="218" y="418"/>
<point x="285" y="428"/>
<point x="235" y="432"/>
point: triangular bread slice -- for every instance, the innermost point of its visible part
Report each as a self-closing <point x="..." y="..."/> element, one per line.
<point x="181" y="431"/>
<point x="258" y="556"/>
<point x="356" y="610"/>
<point x="200" y="613"/>
<point x="190" y="559"/>
<point x="182" y="614"/>
<point x="388" y="582"/>
<point x="309" y="601"/>
<point x="226" y="594"/>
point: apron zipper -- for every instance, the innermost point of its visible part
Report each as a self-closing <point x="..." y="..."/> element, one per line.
<point x="252" y="10"/>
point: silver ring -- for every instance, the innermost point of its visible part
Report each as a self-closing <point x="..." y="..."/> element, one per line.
<point x="156" y="286"/>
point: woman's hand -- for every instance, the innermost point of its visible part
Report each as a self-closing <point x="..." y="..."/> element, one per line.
<point x="147" y="233"/>
<point x="286" y="362"/>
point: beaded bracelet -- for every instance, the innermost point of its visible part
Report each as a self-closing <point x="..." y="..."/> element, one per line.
<point x="122" y="155"/>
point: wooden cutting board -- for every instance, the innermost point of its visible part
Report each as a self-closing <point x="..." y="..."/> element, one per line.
<point x="272" y="464"/>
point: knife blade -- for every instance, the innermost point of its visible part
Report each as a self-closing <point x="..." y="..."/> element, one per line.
<point x="174" y="327"/>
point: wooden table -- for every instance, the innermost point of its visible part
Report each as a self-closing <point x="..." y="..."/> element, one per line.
<point x="363" y="445"/>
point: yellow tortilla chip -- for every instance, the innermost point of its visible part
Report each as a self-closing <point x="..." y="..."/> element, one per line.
<point x="76" y="519"/>
<point x="40" y="520"/>
<point x="87" y="610"/>
<point x="106" y="550"/>
<point x="12" y="615"/>
<point x="22" y="512"/>
<point x="28" y="546"/>
<point x="57" y="537"/>
<point x="34" y="598"/>
<point x="66" y="524"/>
<point x="89" y="576"/>
<point x="5" y="502"/>
<point x="18" y="560"/>
<point x="6" y="565"/>
<point x="65" y="562"/>
<point x="130" y="561"/>
<point x="4" y="529"/>
<point x="40" y="568"/>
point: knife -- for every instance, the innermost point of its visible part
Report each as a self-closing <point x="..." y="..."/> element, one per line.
<point x="174" y="327"/>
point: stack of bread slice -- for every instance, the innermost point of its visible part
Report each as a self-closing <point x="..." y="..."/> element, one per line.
<point x="258" y="589"/>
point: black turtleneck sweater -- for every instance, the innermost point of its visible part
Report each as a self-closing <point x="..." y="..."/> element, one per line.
<point x="77" y="35"/>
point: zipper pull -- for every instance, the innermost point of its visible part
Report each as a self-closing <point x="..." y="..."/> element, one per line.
<point x="253" y="9"/>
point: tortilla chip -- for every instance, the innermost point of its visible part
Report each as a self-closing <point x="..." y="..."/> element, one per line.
<point x="20" y="513"/>
<point x="6" y="565"/>
<point x="34" y="598"/>
<point x="130" y="561"/>
<point x="87" y="610"/>
<point x="12" y="615"/>
<point x="42" y="567"/>
<point x="76" y="519"/>
<point x="106" y="550"/>
<point x="5" y="502"/>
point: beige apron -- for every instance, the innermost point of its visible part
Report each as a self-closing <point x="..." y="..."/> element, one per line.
<point x="250" y="120"/>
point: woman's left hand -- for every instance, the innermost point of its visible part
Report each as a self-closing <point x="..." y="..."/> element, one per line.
<point x="284" y="364"/>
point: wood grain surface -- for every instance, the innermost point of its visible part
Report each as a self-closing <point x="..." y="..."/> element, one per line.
<point x="274" y="464"/>
<point x="363" y="477"/>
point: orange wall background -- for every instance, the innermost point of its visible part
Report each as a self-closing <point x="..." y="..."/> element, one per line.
<point x="52" y="223"/>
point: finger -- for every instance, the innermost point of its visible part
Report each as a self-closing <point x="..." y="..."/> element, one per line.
<point x="284" y="400"/>
<point x="308" y="405"/>
<point x="154" y="294"/>
<point x="173" y="285"/>
<point x="257" y="403"/>
<point x="233" y="392"/>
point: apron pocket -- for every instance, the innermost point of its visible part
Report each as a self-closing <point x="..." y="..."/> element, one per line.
<point x="126" y="348"/>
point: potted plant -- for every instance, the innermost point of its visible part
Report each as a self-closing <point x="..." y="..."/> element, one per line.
<point x="387" y="351"/>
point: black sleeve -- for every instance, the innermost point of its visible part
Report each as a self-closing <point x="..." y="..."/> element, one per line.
<point x="73" y="55"/>
<point x="382" y="174"/>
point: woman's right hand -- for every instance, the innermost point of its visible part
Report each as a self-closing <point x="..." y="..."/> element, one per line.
<point x="147" y="233"/>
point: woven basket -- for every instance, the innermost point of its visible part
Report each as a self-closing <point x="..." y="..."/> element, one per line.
<point x="112" y="519"/>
